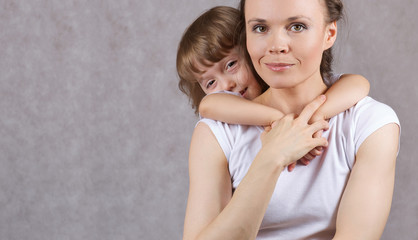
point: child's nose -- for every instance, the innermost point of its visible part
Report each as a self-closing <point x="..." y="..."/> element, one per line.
<point x="230" y="85"/>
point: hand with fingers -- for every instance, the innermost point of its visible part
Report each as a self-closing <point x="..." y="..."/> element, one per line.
<point x="293" y="137"/>
<point x="317" y="116"/>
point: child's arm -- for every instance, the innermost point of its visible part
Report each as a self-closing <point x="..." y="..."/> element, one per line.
<point x="233" y="109"/>
<point x="342" y="95"/>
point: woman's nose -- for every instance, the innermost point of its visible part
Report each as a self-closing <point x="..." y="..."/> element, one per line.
<point x="279" y="43"/>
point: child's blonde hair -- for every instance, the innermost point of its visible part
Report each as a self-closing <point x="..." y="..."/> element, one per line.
<point x="206" y="41"/>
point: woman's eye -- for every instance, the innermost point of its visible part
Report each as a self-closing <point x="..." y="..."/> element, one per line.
<point x="231" y="64"/>
<point x="210" y="83"/>
<point x="298" y="28"/>
<point x="259" y="29"/>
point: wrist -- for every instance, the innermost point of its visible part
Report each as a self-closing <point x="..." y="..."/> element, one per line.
<point x="277" y="115"/>
<point x="270" y="161"/>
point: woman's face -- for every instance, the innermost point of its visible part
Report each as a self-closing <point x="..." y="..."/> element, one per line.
<point x="231" y="74"/>
<point x="286" y="39"/>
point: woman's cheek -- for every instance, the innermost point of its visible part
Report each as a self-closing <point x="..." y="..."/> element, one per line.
<point x="303" y="51"/>
<point x="255" y="48"/>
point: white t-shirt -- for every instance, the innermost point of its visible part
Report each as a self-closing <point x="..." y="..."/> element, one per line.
<point x="305" y="202"/>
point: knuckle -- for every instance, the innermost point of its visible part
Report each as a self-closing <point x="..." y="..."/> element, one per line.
<point x="288" y="117"/>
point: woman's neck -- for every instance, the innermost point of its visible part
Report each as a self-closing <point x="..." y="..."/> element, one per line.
<point x="293" y="100"/>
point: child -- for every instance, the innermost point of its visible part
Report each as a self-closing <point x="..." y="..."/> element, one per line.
<point x="209" y="60"/>
<point x="211" y="42"/>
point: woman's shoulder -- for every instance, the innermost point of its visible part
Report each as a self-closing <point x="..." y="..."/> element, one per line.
<point x="367" y="113"/>
<point x="367" y="116"/>
<point x="360" y="121"/>
<point x="229" y="135"/>
<point x="371" y="108"/>
<point x="227" y="130"/>
<point x="367" y="108"/>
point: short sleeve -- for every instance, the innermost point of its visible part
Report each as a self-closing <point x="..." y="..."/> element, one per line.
<point x="223" y="133"/>
<point x="370" y="115"/>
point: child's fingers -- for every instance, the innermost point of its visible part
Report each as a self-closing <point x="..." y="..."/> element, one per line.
<point x="267" y="128"/>
<point x="316" y="151"/>
<point x="309" y="156"/>
<point x="319" y="126"/>
<point x="321" y="142"/>
<point x="291" y="166"/>
<point x="305" y="161"/>
<point x="318" y="134"/>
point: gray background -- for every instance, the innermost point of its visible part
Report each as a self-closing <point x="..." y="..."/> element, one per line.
<point x="94" y="133"/>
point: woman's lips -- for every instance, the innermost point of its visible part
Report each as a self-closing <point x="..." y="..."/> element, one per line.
<point x="278" y="67"/>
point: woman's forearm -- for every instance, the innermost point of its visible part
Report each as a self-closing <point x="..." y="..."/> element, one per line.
<point x="242" y="217"/>
<point x="209" y="214"/>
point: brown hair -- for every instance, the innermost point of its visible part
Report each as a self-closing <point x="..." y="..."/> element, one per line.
<point x="334" y="13"/>
<point x="206" y="41"/>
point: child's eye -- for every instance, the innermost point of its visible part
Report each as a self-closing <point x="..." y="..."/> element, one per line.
<point x="231" y="64"/>
<point x="259" y="29"/>
<point x="210" y="83"/>
<point x="298" y="27"/>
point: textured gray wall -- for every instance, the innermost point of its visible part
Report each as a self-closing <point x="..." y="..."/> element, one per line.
<point x="94" y="133"/>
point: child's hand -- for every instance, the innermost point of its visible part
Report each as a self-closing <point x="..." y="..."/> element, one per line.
<point x="314" y="152"/>
<point x="307" y="158"/>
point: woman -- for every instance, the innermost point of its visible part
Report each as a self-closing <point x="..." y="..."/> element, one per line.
<point x="343" y="194"/>
<point x="209" y="60"/>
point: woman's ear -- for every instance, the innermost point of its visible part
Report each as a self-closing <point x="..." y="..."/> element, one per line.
<point x="330" y="35"/>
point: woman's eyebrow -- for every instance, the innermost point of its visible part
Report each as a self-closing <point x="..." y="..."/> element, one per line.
<point x="298" y="17"/>
<point x="290" y="19"/>
<point x="258" y="20"/>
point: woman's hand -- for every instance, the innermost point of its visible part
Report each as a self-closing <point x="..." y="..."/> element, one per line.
<point x="317" y="116"/>
<point x="292" y="137"/>
<point x="305" y="160"/>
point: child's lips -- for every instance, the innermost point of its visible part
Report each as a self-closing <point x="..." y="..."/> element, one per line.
<point x="242" y="92"/>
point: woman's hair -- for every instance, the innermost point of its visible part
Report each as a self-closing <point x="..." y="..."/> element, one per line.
<point x="334" y="13"/>
<point x="206" y="41"/>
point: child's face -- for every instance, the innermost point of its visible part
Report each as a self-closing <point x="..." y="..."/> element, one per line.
<point x="231" y="74"/>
